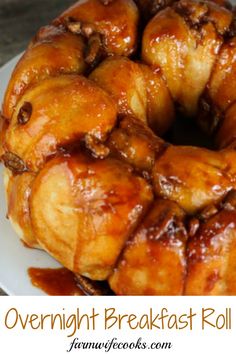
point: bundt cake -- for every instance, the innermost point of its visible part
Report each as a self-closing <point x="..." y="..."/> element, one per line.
<point x="90" y="174"/>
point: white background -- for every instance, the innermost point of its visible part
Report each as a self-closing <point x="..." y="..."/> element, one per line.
<point x="211" y="340"/>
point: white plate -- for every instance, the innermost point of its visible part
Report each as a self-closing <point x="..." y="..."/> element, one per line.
<point x="15" y="259"/>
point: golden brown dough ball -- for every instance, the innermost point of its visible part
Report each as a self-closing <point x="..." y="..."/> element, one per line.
<point x="83" y="211"/>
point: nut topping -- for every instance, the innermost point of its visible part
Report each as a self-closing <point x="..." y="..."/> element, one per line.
<point x="14" y="162"/>
<point x="208" y="212"/>
<point x="96" y="147"/>
<point x="95" y="45"/>
<point x="78" y="27"/>
<point x="87" y="30"/>
<point x="94" y="50"/>
<point x="193" y="226"/>
<point x="91" y="287"/>
<point x="230" y="201"/>
<point x="74" y="26"/>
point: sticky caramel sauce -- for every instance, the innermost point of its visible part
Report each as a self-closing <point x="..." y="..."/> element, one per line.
<point x="54" y="282"/>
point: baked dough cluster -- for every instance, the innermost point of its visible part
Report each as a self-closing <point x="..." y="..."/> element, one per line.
<point x="89" y="176"/>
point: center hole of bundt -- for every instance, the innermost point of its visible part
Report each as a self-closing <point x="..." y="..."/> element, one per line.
<point x="185" y="131"/>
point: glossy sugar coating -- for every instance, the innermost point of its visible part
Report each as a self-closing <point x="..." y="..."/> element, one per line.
<point x="89" y="177"/>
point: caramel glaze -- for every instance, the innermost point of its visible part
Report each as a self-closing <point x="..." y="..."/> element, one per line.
<point x="18" y="193"/>
<point x="54" y="52"/>
<point x="99" y="216"/>
<point x="153" y="261"/>
<point x="55" y="281"/>
<point x="61" y="282"/>
<point x="211" y="257"/>
<point x="58" y="124"/>
<point x="99" y="204"/>
<point x="127" y="127"/>
<point x="116" y="21"/>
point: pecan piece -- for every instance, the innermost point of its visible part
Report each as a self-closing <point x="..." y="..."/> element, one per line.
<point x="230" y="201"/>
<point x="88" y="29"/>
<point x="78" y="27"/>
<point x="97" y="149"/>
<point x="73" y="25"/>
<point x="208" y="212"/>
<point x="14" y="162"/>
<point x="95" y="49"/>
<point x="193" y="226"/>
<point x="25" y="113"/>
<point x="91" y="287"/>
